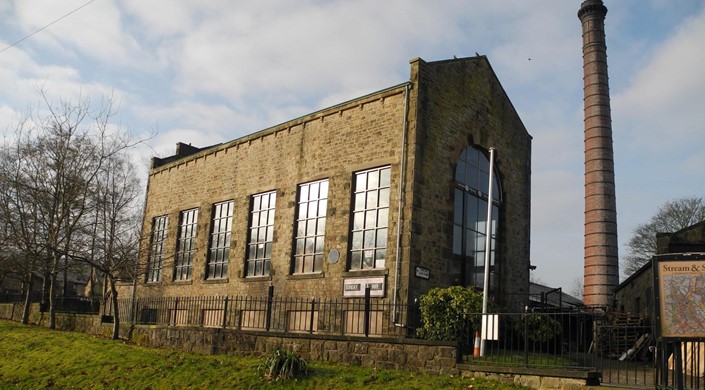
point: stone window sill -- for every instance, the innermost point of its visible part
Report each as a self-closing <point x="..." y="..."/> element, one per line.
<point x="364" y="273"/>
<point x="216" y="281"/>
<point x="248" y="279"/>
<point x="312" y="275"/>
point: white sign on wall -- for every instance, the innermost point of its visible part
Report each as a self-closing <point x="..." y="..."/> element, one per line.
<point x="355" y="287"/>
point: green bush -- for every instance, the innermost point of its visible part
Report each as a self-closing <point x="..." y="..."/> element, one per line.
<point x="283" y="365"/>
<point x="539" y="327"/>
<point x="445" y="311"/>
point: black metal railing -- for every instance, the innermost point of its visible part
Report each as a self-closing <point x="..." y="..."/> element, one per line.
<point x="76" y="304"/>
<point x="623" y="353"/>
<point x="538" y="339"/>
<point x="34" y="297"/>
<point x="680" y="364"/>
<point x="616" y="348"/>
<point x="70" y="304"/>
<point x="368" y="317"/>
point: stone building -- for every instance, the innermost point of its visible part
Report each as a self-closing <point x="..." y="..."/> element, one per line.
<point x="388" y="190"/>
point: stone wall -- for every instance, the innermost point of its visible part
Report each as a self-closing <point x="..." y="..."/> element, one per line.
<point x="85" y="323"/>
<point x="331" y="144"/>
<point x="378" y="353"/>
<point x="420" y="127"/>
<point x="462" y="104"/>
<point x="636" y="296"/>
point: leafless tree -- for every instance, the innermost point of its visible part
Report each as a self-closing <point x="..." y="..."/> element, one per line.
<point x="52" y="170"/>
<point x="114" y="235"/>
<point x="22" y="227"/>
<point x="671" y="217"/>
<point x="576" y="289"/>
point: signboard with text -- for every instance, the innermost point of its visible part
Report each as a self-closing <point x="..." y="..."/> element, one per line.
<point x="679" y="285"/>
<point x="355" y="287"/>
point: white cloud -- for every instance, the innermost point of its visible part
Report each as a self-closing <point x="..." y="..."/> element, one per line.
<point x="664" y="100"/>
<point x="213" y="70"/>
<point x="93" y="31"/>
<point x="159" y="18"/>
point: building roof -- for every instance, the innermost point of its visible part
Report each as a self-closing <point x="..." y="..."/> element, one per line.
<point x="186" y="152"/>
<point x="553" y="298"/>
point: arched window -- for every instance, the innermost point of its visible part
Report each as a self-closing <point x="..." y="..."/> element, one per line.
<point x="470" y="215"/>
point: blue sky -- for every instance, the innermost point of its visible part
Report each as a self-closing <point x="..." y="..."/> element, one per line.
<point x="214" y="70"/>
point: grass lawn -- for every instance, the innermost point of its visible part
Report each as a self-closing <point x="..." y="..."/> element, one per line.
<point x="33" y="357"/>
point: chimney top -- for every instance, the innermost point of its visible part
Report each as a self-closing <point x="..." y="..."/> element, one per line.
<point x="592" y="6"/>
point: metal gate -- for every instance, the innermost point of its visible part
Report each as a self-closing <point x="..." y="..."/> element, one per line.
<point x="624" y="351"/>
<point x="680" y="365"/>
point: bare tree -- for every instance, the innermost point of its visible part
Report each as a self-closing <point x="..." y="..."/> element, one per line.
<point x="114" y="239"/>
<point x="22" y="227"/>
<point x="576" y="288"/>
<point x="671" y="217"/>
<point x="54" y="164"/>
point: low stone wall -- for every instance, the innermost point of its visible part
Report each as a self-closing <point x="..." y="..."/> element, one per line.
<point x="85" y="323"/>
<point x="533" y="377"/>
<point x="7" y="310"/>
<point x="379" y="353"/>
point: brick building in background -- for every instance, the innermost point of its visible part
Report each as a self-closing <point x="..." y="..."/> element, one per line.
<point x="388" y="189"/>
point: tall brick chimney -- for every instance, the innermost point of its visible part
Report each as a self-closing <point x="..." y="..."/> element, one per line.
<point x="601" y="258"/>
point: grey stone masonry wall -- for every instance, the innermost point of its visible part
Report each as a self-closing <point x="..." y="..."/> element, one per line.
<point x="331" y="144"/>
<point x="461" y="104"/>
<point x="418" y="129"/>
<point x="377" y="353"/>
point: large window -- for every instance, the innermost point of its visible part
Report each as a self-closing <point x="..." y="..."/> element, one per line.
<point x="370" y="215"/>
<point x="310" y="227"/>
<point x="470" y="215"/>
<point x="219" y="248"/>
<point x="156" y="249"/>
<point x="259" y="246"/>
<point x="185" y="245"/>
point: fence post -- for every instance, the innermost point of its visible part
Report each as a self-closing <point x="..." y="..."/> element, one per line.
<point x="313" y="309"/>
<point x="366" y="325"/>
<point x="270" y="295"/>
<point x="459" y="338"/>
<point x="678" y="365"/>
<point x="176" y="310"/>
<point x="526" y="337"/>
<point x="225" y="312"/>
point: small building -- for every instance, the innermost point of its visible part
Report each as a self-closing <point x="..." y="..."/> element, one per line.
<point x="548" y="298"/>
<point x="635" y="295"/>
<point x="389" y="190"/>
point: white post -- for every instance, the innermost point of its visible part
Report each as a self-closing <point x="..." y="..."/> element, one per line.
<point x="488" y="242"/>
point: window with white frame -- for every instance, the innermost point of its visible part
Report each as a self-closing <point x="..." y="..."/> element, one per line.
<point x="310" y="227"/>
<point x="156" y="249"/>
<point x="219" y="247"/>
<point x="185" y="245"/>
<point x="370" y="219"/>
<point x="261" y="237"/>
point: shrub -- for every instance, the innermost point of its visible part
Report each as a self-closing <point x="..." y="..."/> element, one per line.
<point x="539" y="327"/>
<point x="445" y="311"/>
<point x="283" y="365"/>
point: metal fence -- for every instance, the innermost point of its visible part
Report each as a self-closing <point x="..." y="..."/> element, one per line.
<point x="368" y="317"/>
<point x="20" y="298"/>
<point x="534" y="339"/>
<point x="70" y="304"/>
<point x="623" y="351"/>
